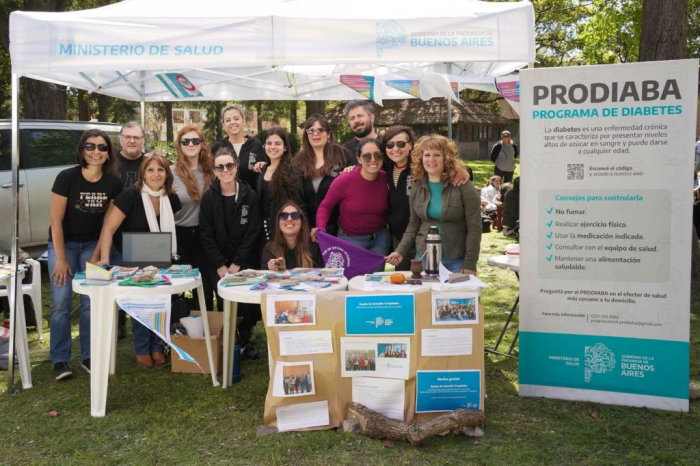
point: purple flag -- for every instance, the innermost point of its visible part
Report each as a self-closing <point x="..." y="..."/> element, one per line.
<point x="355" y="260"/>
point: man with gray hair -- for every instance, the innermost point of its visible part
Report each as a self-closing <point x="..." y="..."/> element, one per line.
<point x="129" y="158"/>
<point x="503" y="155"/>
<point x="360" y="115"/>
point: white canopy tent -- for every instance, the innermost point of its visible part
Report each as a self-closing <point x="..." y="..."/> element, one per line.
<point x="268" y="50"/>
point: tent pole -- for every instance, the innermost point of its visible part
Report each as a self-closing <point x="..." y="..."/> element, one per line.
<point x="143" y="114"/>
<point x="449" y="107"/>
<point x="14" y="285"/>
<point x="142" y="76"/>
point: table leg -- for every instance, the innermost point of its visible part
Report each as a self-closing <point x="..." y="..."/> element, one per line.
<point x="207" y="334"/>
<point x="115" y="337"/>
<point x="102" y="311"/>
<point x="230" y="323"/>
<point x="515" y="340"/>
<point x="505" y="327"/>
<point x="21" y="335"/>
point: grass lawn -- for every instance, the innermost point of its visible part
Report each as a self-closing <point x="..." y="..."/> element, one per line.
<point x="155" y="416"/>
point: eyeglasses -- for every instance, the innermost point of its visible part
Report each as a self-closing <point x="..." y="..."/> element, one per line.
<point x="399" y="144"/>
<point x="505" y="135"/>
<point x="132" y="138"/>
<point x="312" y="131"/>
<point x="193" y="141"/>
<point x="91" y="146"/>
<point x="378" y="156"/>
<point x="227" y="167"/>
<point x="287" y="215"/>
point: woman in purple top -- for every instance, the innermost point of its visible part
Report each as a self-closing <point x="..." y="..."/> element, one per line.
<point x="362" y="196"/>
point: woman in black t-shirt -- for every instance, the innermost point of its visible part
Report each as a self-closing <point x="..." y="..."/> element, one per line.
<point x="79" y="199"/>
<point x="147" y="206"/>
<point x="291" y="246"/>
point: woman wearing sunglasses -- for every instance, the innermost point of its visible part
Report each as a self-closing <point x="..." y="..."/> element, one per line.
<point x="434" y="201"/>
<point x="320" y="160"/>
<point x="247" y="149"/>
<point x="362" y="196"/>
<point x="149" y="205"/>
<point x="229" y="227"/>
<point x="79" y="199"/>
<point x="291" y="246"/>
<point x="192" y="175"/>
<point x="278" y="182"/>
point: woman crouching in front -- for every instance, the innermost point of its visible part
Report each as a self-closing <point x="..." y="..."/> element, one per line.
<point x="291" y="246"/>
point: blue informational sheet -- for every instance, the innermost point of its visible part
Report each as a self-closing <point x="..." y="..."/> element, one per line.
<point x="438" y="391"/>
<point x="380" y="315"/>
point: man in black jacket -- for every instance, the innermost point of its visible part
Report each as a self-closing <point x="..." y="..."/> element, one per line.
<point x="503" y="155"/>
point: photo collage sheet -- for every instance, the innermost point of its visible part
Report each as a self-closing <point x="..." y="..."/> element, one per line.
<point x="406" y="356"/>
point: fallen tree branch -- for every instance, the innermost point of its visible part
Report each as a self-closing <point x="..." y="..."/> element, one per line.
<point x="375" y="425"/>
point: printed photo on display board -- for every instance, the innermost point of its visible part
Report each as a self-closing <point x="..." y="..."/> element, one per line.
<point x="291" y="310"/>
<point x="294" y="379"/>
<point x="455" y="308"/>
<point x="374" y="357"/>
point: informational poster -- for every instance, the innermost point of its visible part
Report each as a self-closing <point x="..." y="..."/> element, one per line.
<point x="388" y="357"/>
<point x="438" y="391"/>
<point x="380" y="315"/>
<point x="606" y="210"/>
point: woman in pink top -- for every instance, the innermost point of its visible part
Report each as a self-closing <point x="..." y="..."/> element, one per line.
<point x="362" y="196"/>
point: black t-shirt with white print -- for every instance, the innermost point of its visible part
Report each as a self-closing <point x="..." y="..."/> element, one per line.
<point x="86" y="205"/>
<point x="127" y="169"/>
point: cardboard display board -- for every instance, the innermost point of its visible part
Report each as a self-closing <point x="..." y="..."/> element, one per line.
<point x="330" y="386"/>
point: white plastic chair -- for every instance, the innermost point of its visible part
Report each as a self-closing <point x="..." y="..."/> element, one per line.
<point x="33" y="290"/>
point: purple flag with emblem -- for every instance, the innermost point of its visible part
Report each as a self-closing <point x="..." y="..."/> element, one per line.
<point x="355" y="260"/>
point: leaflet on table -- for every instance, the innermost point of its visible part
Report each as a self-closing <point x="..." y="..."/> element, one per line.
<point x="294" y="379"/>
<point x="154" y="313"/>
<point x="455" y="308"/>
<point x="375" y="357"/>
<point x="438" y="391"/>
<point x="94" y="272"/>
<point x="380" y="315"/>
<point x="303" y="286"/>
<point x="382" y="282"/>
<point x="385" y="396"/>
<point x="291" y="310"/>
<point x="303" y="415"/>
<point x="305" y="342"/>
<point x="446" y="342"/>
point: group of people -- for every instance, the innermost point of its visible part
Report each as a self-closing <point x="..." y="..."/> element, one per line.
<point x="246" y="204"/>
<point x="296" y="384"/>
<point x="501" y="203"/>
<point x="360" y="361"/>
<point x="456" y="311"/>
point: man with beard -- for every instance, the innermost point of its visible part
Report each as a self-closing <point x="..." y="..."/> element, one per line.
<point x="360" y="115"/>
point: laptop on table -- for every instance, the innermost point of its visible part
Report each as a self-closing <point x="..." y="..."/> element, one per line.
<point x="144" y="249"/>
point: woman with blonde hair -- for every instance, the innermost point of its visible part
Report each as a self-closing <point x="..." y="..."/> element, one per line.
<point x="192" y="175"/>
<point x="455" y="210"/>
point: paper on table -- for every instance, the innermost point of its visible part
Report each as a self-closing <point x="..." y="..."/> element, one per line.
<point x="473" y="282"/>
<point x="309" y="342"/>
<point x="302" y="415"/>
<point x="385" y="396"/>
<point x="93" y="272"/>
<point x="446" y="342"/>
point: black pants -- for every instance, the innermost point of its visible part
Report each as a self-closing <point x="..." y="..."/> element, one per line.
<point x="189" y="248"/>
<point x="405" y="264"/>
<point x="506" y="177"/>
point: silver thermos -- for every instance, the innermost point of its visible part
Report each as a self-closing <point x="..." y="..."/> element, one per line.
<point x="433" y="251"/>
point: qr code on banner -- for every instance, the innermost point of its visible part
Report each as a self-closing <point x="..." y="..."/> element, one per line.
<point x="574" y="171"/>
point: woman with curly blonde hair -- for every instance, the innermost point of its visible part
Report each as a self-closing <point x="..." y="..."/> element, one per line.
<point x="455" y="210"/>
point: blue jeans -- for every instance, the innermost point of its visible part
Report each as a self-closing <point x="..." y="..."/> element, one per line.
<point x="378" y="242"/>
<point x="77" y="254"/>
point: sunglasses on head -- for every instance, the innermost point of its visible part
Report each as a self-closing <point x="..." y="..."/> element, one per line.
<point x="228" y="167"/>
<point x="287" y="215"/>
<point x="378" y="156"/>
<point x="92" y="146"/>
<point x="312" y="131"/>
<point x="193" y="141"/>
<point x="399" y="144"/>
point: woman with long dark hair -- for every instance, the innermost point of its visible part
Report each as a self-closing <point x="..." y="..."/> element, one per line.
<point x="278" y="182"/>
<point x="79" y="199"/>
<point x="192" y="175"/>
<point x="320" y="160"/>
<point x="291" y="245"/>
<point x="149" y="205"/>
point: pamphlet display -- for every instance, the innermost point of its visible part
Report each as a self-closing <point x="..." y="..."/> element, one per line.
<point x="606" y="213"/>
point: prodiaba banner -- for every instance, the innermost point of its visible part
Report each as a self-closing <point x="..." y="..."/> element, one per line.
<point x="606" y="213"/>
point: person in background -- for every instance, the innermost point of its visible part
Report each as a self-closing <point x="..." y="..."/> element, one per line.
<point x="149" y="205"/>
<point x="360" y="115"/>
<point x="511" y="209"/>
<point x="503" y="155"/>
<point x="192" y="175"/>
<point x="229" y="227"/>
<point x="455" y="210"/>
<point x="500" y="203"/>
<point x="248" y="150"/>
<point x="79" y="199"/>
<point x="278" y="182"/>
<point x="319" y="161"/>
<point x="291" y="245"/>
<point x="697" y="154"/>
<point x="490" y="191"/>
<point x="362" y="196"/>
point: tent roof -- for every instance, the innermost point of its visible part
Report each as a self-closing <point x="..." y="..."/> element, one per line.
<point x="268" y="49"/>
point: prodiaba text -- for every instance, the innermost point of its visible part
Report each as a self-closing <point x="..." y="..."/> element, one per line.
<point x="602" y="92"/>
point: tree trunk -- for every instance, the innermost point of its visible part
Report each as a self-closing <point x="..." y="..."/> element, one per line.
<point x="315" y="106"/>
<point x="294" y="126"/>
<point x="103" y="103"/>
<point x="219" y="128"/>
<point x="83" y="106"/>
<point x="169" y="121"/>
<point x="42" y="100"/>
<point x="664" y="24"/>
<point x="258" y="109"/>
